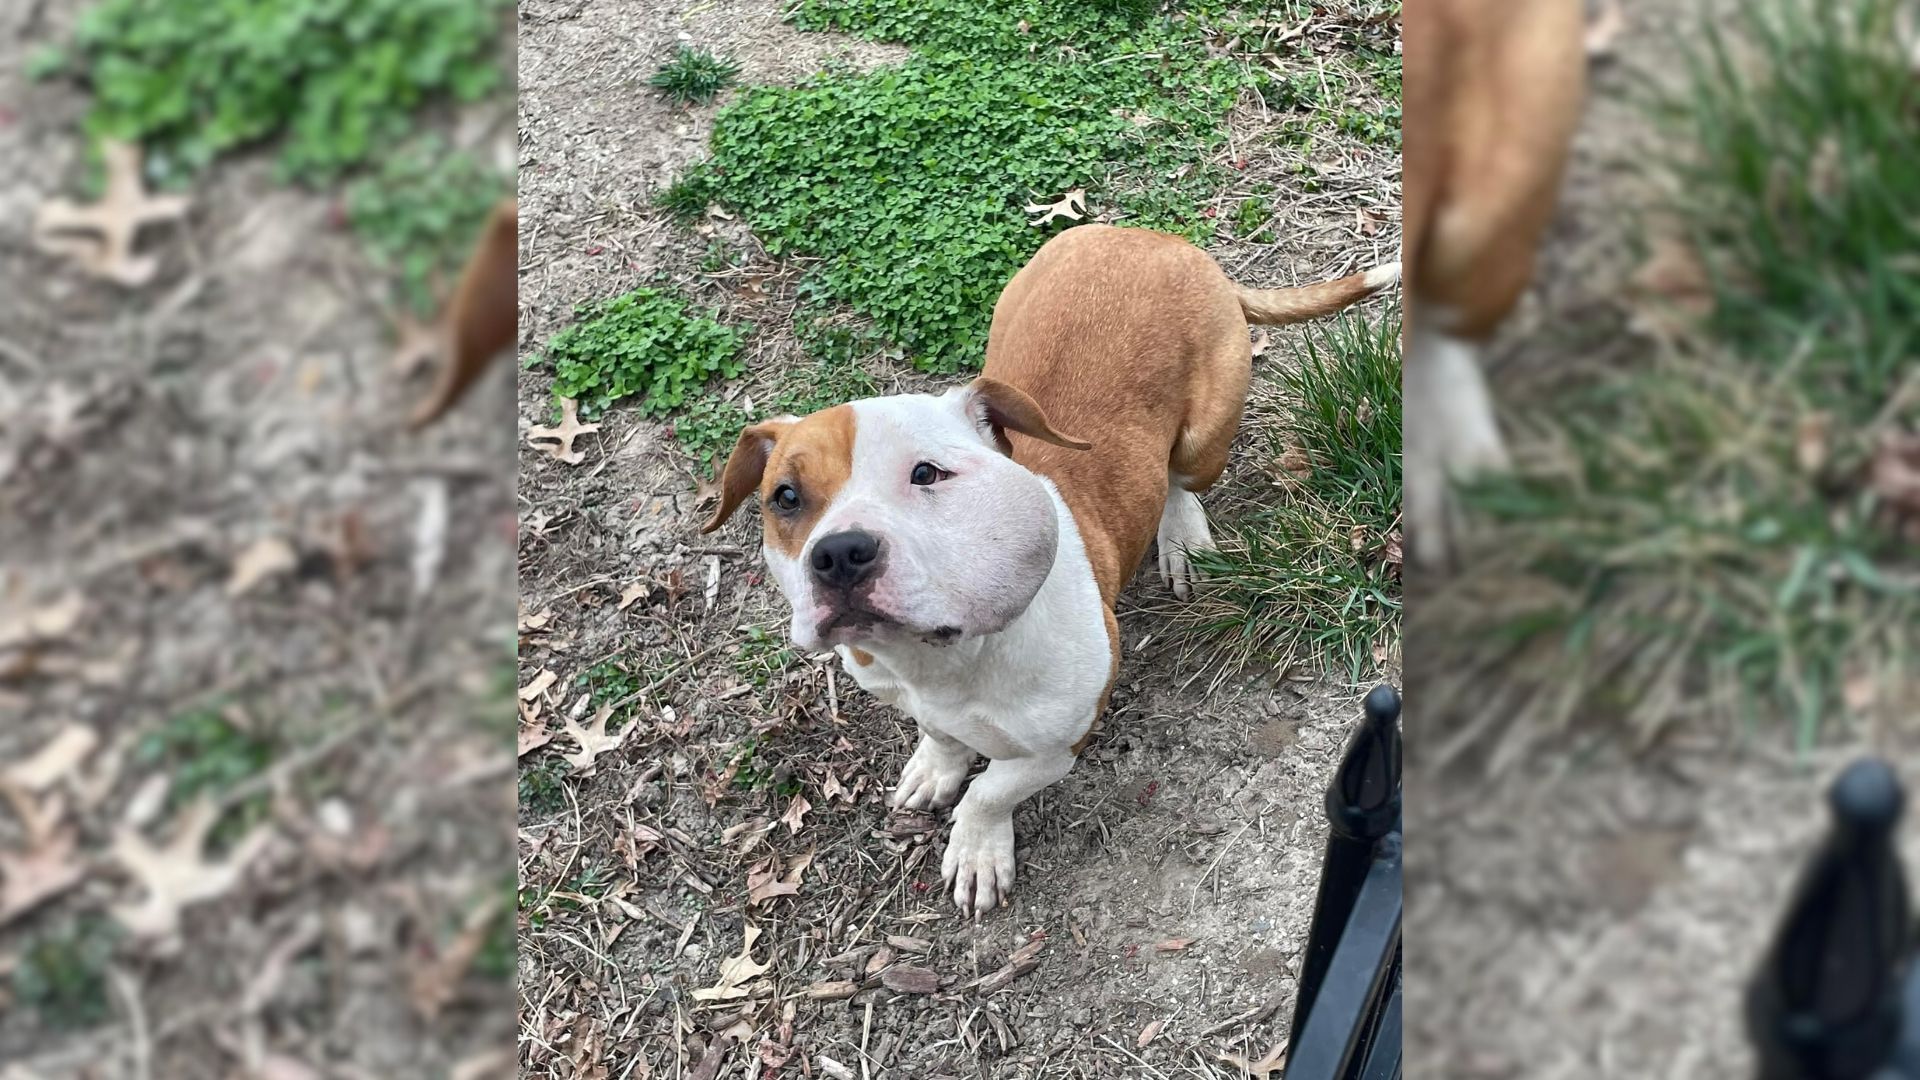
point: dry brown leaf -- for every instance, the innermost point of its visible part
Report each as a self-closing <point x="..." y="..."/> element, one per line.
<point x="796" y="813"/>
<point x="435" y="984"/>
<point x="58" y="758"/>
<point x="1368" y="220"/>
<point x="48" y="867"/>
<point x="1294" y="462"/>
<point x="267" y="557"/>
<point x="636" y="591"/>
<point x="534" y="623"/>
<point x="1147" y="1033"/>
<point x="593" y="739"/>
<point x="1173" y="944"/>
<point x="538" y="685"/>
<point x="45" y="622"/>
<point x="1072" y="206"/>
<point x="531" y="739"/>
<point x="908" y="979"/>
<point x="179" y="875"/>
<point x="562" y="435"/>
<point x="735" y="971"/>
<point x="764" y="883"/>
<point x="101" y="238"/>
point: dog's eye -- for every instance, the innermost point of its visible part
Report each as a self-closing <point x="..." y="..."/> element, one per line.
<point x="785" y="499"/>
<point x="927" y="473"/>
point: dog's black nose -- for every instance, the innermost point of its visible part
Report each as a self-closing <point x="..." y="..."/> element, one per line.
<point x="845" y="559"/>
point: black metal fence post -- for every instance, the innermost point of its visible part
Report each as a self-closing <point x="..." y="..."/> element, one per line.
<point x="1346" y="1018"/>
<point x="1827" y="1003"/>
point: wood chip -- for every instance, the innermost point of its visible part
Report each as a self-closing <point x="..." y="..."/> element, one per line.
<point x="837" y="990"/>
<point x="908" y="979"/>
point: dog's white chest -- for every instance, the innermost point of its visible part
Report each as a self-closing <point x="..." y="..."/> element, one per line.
<point x="972" y="714"/>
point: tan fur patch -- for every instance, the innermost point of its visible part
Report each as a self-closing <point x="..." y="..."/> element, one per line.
<point x="815" y="457"/>
<point x="1493" y="92"/>
<point x="861" y="657"/>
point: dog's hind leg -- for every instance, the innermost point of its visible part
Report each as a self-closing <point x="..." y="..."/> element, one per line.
<point x="1216" y="399"/>
<point x="1451" y="434"/>
<point x="1183" y="531"/>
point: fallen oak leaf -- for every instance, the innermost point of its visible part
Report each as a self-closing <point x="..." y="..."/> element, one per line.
<point x="734" y="971"/>
<point x="593" y="739"/>
<point x="563" y="434"/>
<point x="60" y="756"/>
<point x="538" y="685"/>
<point x="179" y="875"/>
<point x="1072" y="206"/>
<point x="1147" y="1033"/>
<point x="55" y="619"/>
<point x="531" y="739"/>
<point x="101" y="238"/>
<point x="47" y="867"/>
<point x="267" y="557"/>
<point x="763" y="884"/>
<point x="796" y="813"/>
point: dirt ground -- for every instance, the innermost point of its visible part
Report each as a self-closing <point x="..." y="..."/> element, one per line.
<point x="1585" y="913"/>
<point x="240" y="416"/>
<point x="1165" y="884"/>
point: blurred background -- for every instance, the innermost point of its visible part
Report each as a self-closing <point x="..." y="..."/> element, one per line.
<point x="256" y="637"/>
<point x="1698" y="592"/>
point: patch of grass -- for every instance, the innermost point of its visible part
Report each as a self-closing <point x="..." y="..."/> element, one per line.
<point x="418" y="215"/>
<point x="644" y="344"/>
<point x="1315" y="577"/>
<point x="338" y="79"/>
<point x="1694" y="535"/>
<point x="62" y="974"/>
<point x="1250" y="220"/>
<point x="694" y="76"/>
<point x="909" y="182"/>
<point x="608" y="682"/>
<point x="687" y="198"/>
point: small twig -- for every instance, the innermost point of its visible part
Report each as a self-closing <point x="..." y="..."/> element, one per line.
<point x="129" y="992"/>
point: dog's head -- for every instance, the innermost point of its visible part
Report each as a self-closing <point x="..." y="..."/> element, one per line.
<point x="900" y="518"/>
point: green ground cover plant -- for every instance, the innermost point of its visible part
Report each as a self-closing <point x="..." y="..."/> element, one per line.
<point x="335" y="80"/>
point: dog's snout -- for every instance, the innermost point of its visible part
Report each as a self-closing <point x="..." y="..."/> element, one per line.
<point x="845" y="559"/>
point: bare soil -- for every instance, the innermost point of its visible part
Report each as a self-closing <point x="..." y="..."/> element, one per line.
<point x="148" y="439"/>
<point x="1166" y="884"/>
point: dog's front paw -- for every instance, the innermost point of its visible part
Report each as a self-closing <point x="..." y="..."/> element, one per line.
<point x="933" y="776"/>
<point x="979" y="863"/>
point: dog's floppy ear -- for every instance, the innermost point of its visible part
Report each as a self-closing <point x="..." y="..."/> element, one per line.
<point x="741" y="477"/>
<point x="997" y="408"/>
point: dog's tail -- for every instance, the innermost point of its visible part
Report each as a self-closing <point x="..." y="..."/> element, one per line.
<point x="1276" y="307"/>
<point x="482" y="317"/>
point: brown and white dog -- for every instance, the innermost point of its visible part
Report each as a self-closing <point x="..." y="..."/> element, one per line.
<point x="1493" y="91"/>
<point x="962" y="552"/>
